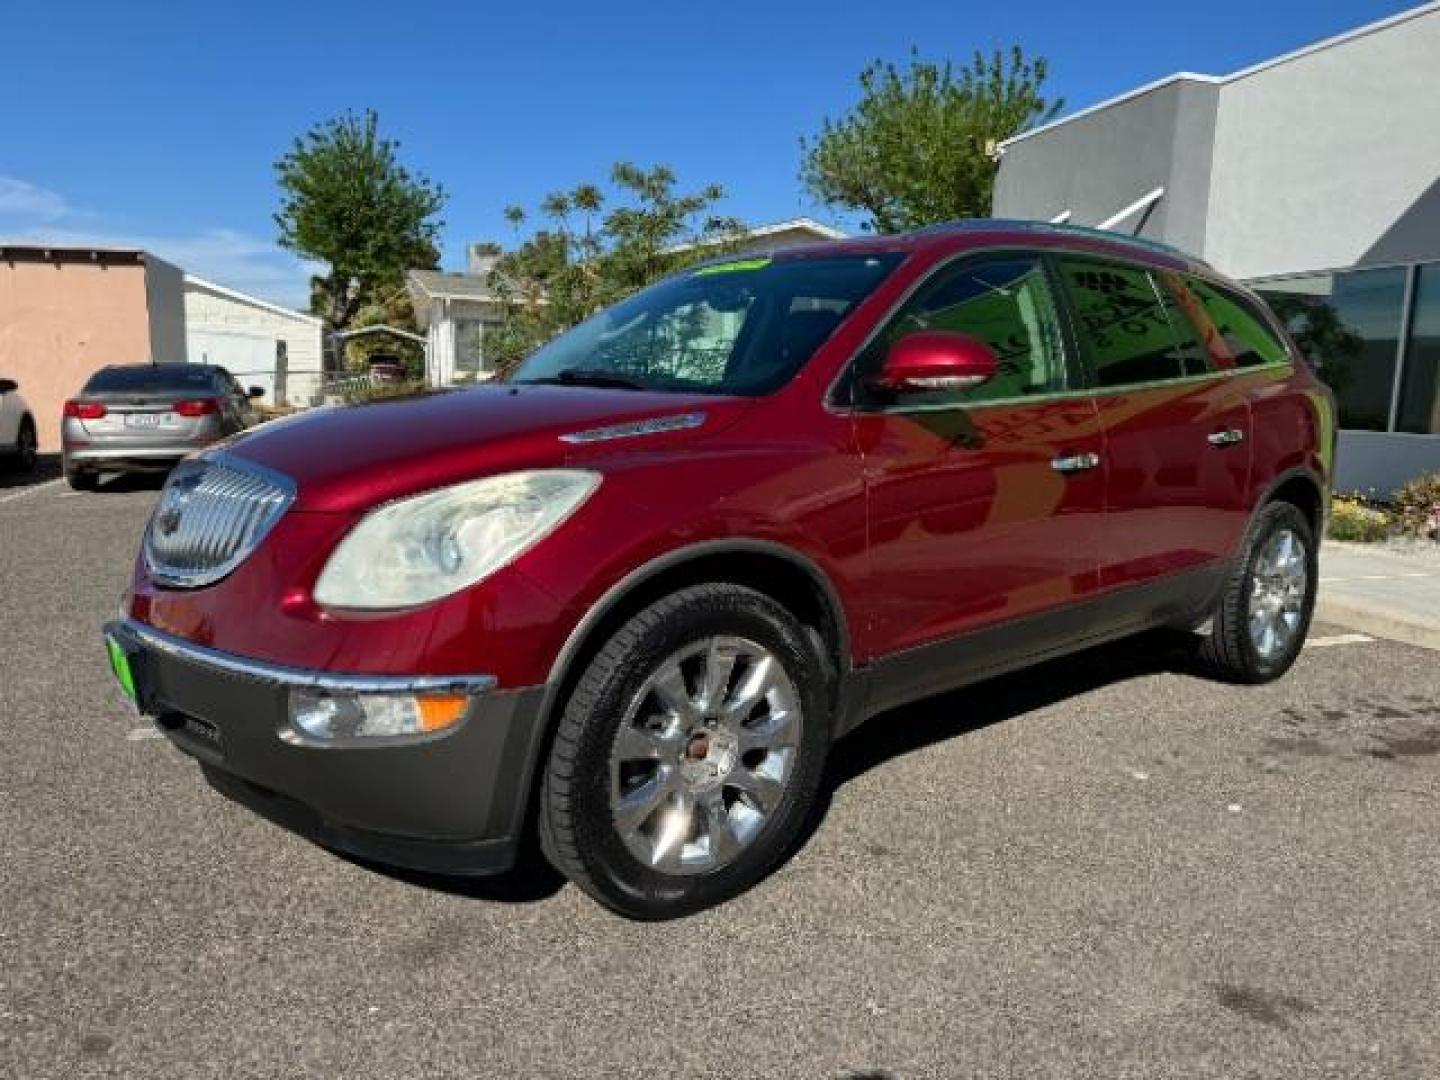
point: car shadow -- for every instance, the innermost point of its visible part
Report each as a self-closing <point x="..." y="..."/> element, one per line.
<point x="47" y="468"/>
<point x="904" y="730"/>
<point x="878" y="741"/>
<point x="123" y="483"/>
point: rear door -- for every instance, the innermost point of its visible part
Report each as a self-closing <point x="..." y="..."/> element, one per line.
<point x="970" y="522"/>
<point x="1176" y="425"/>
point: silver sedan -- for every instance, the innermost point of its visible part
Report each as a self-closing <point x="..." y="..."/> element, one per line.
<point x="137" y="417"/>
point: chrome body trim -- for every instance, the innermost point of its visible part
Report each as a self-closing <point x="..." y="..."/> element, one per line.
<point x="633" y="428"/>
<point x="304" y="678"/>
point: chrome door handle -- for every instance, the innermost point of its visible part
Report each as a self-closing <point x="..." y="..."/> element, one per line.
<point x="1226" y="438"/>
<point x="1069" y="463"/>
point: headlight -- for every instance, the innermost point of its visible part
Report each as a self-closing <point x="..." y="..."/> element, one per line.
<point x="420" y="549"/>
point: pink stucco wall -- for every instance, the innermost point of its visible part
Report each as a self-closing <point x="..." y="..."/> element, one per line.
<point x="59" y="321"/>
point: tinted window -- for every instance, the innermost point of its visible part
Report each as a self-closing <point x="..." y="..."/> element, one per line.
<point x="1123" y="325"/>
<point x="743" y="327"/>
<point x="1242" y="337"/>
<point x="147" y="377"/>
<point x="1006" y="303"/>
<point x="1420" y="389"/>
<point x="1348" y="325"/>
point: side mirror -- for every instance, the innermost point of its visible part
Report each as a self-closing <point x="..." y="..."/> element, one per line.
<point x="936" y="360"/>
<point x="255" y="391"/>
<point x="8" y="386"/>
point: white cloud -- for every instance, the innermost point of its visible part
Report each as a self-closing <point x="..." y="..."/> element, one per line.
<point x="27" y="201"/>
<point x="30" y="214"/>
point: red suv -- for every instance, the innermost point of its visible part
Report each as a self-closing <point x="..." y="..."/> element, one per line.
<point x="633" y="593"/>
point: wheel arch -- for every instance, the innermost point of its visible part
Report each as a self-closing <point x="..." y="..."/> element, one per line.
<point x="780" y="572"/>
<point x="1303" y="489"/>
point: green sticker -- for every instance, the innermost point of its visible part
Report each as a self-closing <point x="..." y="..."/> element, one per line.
<point x="736" y="267"/>
<point x="120" y="664"/>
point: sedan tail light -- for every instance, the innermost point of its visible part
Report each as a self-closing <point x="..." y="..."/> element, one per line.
<point x="198" y="407"/>
<point x="85" y="410"/>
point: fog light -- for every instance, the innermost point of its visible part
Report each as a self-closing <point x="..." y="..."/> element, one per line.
<point x="327" y="717"/>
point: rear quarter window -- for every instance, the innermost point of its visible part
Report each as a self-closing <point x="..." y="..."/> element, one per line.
<point x="1244" y="335"/>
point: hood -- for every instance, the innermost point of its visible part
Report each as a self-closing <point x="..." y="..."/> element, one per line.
<point x="354" y="457"/>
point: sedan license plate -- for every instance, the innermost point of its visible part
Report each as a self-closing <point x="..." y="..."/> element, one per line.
<point x="144" y="419"/>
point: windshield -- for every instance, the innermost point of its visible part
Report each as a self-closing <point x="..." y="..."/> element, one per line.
<point x="740" y="327"/>
<point x="143" y="377"/>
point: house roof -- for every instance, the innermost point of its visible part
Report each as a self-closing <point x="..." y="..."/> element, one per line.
<point x="253" y="301"/>
<point x="1220" y="80"/>
<point x="453" y="286"/>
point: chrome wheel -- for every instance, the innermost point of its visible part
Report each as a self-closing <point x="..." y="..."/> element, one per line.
<point x="1279" y="582"/>
<point x="702" y="758"/>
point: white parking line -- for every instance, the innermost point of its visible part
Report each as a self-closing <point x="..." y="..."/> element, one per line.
<point x="1338" y="639"/>
<point x="14" y="495"/>
<point x="1379" y="577"/>
<point x="140" y="734"/>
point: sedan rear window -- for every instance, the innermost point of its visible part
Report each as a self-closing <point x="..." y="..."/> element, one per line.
<point x="150" y="377"/>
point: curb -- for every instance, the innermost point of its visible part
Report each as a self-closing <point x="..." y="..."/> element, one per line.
<point x="1377" y="620"/>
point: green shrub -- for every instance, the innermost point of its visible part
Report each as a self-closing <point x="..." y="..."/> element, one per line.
<point x="382" y="391"/>
<point x="1354" y="521"/>
<point x="1417" y="507"/>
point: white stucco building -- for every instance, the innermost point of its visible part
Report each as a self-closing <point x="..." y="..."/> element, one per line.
<point x="262" y="344"/>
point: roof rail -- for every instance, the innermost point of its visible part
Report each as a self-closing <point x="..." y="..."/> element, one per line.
<point x="1062" y="229"/>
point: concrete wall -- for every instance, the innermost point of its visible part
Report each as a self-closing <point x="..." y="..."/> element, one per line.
<point x="1320" y="158"/>
<point x="1328" y="159"/>
<point x="1097" y="164"/>
<point x="165" y="305"/>
<point x="59" y="321"/>
<point x="1377" y="462"/>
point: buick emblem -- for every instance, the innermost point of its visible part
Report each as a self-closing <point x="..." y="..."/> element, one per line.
<point x="168" y="520"/>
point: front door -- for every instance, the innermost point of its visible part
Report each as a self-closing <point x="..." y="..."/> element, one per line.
<point x="984" y="505"/>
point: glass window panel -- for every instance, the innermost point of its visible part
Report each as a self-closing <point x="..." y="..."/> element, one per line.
<point x="1122" y="324"/>
<point x="1420" y="386"/>
<point x="1006" y="303"/>
<point x="1348" y="326"/>
<point x="1242" y="336"/>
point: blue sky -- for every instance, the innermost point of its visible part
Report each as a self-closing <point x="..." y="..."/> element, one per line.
<point x="157" y="124"/>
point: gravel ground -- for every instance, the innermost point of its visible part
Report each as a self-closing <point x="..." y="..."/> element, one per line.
<point x="1102" y="867"/>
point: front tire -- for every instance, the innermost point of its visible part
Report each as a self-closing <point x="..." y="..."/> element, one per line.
<point x="689" y="755"/>
<point x="1264" y="612"/>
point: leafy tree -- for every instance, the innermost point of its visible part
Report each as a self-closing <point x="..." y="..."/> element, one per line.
<point x="920" y="145"/>
<point x="346" y="201"/>
<point x="595" y="249"/>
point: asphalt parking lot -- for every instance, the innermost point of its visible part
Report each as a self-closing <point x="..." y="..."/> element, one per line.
<point x="1103" y="867"/>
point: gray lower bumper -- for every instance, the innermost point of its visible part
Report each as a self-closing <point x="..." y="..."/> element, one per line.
<point x="455" y="803"/>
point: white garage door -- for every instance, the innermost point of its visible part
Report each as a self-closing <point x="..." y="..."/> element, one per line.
<point x="249" y="357"/>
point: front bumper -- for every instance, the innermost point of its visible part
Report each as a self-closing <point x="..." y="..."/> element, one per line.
<point x="453" y="802"/>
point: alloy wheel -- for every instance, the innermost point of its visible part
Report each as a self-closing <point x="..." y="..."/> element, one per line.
<point x="1279" y="582"/>
<point x="703" y="756"/>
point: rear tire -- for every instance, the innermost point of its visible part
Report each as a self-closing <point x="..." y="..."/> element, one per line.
<point x="82" y="481"/>
<point x="689" y="754"/>
<point x="1264" y="611"/>
<point x="26" y="447"/>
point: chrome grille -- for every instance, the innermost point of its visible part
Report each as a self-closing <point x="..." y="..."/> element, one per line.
<point x="213" y="513"/>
